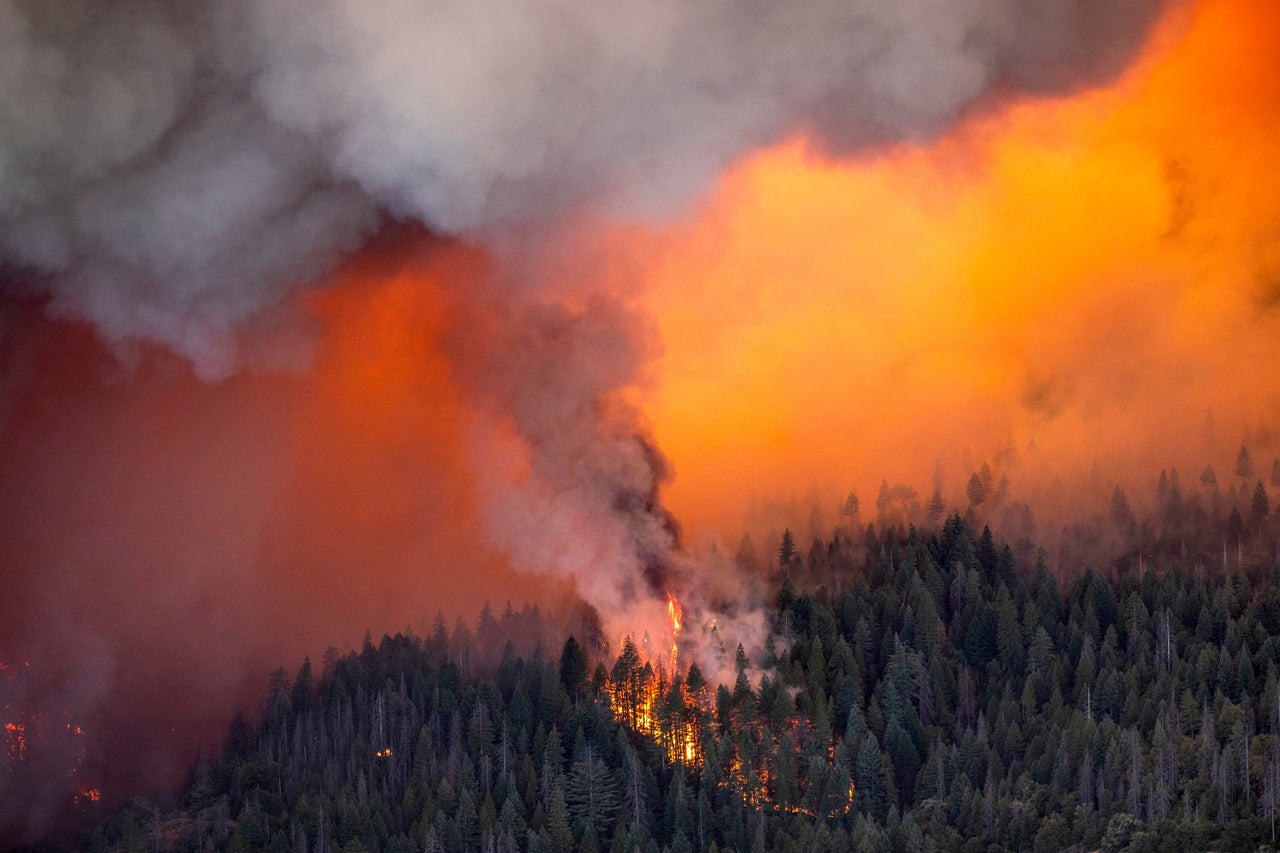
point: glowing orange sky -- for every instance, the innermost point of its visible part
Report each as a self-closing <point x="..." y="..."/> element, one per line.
<point x="1083" y="280"/>
<point x="1090" y="274"/>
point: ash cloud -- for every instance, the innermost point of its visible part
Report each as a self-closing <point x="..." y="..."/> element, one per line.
<point x="178" y="167"/>
<point x="174" y="172"/>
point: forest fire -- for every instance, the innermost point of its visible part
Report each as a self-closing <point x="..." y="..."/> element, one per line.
<point x="15" y="735"/>
<point x="42" y="747"/>
<point x="673" y="621"/>
<point x="679" y="715"/>
<point x="85" y="796"/>
<point x="225" y="382"/>
<point x="657" y="702"/>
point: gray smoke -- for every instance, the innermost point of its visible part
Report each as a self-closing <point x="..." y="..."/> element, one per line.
<point x="575" y="492"/>
<point x="169" y="169"/>
<point x="174" y="170"/>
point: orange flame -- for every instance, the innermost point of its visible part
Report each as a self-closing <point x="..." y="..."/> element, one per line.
<point x="642" y="697"/>
<point x="16" y="737"/>
<point x="674" y="612"/>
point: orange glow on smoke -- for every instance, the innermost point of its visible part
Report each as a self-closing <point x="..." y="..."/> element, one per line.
<point x="642" y="696"/>
<point x="1086" y="276"/>
<point x="381" y="456"/>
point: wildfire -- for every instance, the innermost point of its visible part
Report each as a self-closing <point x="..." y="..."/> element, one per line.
<point x="82" y="798"/>
<point x="34" y="739"/>
<point x="15" y="735"/>
<point x="385" y="752"/>
<point x="657" y="703"/>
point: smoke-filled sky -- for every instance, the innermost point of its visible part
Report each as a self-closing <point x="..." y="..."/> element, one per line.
<point x="1094" y="279"/>
<point x="320" y="317"/>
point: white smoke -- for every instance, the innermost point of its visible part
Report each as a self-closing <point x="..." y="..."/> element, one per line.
<point x="175" y="167"/>
<point x="171" y="170"/>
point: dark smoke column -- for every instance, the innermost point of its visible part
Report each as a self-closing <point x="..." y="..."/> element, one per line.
<point x="574" y="492"/>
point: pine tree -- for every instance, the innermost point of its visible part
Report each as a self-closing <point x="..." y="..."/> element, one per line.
<point x="1244" y="464"/>
<point x="302" y="687"/>
<point x="573" y="666"/>
<point x="1120" y="513"/>
<point x="786" y="551"/>
<point x="975" y="491"/>
<point x="627" y="678"/>
<point x="868" y="778"/>
<point x="590" y="794"/>
<point x="559" y="831"/>
<point x="1260" y="507"/>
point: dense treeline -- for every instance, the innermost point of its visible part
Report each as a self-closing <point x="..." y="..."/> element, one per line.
<point x="1225" y="523"/>
<point x="967" y="703"/>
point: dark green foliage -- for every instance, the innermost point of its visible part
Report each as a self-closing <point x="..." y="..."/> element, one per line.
<point x="971" y="702"/>
<point x="573" y="666"/>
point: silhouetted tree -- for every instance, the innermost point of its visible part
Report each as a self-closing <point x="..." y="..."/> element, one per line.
<point x="1244" y="465"/>
<point x="976" y="492"/>
<point x="1120" y="513"/>
<point x="1260" y="506"/>
<point x="786" y="550"/>
<point x="573" y="666"/>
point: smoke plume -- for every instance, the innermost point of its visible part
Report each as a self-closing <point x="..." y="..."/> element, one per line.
<point x="213" y="179"/>
<point x="170" y="169"/>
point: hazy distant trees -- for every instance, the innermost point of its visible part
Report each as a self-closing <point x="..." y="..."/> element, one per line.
<point x="746" y="558"/>
<point x="896" y="504"/>
<point x="1120" y="513"/>
<point x="1260" y="506"/>
<point x="849" y="510"/>
<point x="975" y="491"/>
<point x="1244" y="465"/>
<point x="787" y="553"/>
<point x="937" y="506"/>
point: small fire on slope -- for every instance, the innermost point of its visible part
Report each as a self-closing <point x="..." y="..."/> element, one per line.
<point x="39" y="742"/>
<point x="677" y="713"/>
<point x="658" y="702"/>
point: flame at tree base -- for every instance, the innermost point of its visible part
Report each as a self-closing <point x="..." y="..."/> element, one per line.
<point x="658" y="703"/>
<point x="677" y="713"/>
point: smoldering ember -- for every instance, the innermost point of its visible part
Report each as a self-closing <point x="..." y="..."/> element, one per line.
<point x="655" y="427"/>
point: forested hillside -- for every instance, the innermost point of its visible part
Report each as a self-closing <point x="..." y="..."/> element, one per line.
<point x="940" y="698"/>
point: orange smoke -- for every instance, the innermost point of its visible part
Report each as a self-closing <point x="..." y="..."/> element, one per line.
<point x="1082" y="281"/>
<point x="378" y="510"/>
<point x="170" y="542"/>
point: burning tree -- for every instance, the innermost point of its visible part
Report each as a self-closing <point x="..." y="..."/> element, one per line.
<point x="757" y="759"/>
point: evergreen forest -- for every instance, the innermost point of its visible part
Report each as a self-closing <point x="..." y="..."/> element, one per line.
<point x="923" y="691"/>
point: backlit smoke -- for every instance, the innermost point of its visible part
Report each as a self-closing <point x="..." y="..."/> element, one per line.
<point x="171" y="169"/>
<point x="177" y="173"/>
